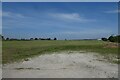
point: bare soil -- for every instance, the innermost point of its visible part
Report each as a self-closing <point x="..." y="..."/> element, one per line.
<point x="68" y="64"/>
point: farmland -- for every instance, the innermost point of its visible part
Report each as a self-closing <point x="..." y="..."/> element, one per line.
<point x="17" y="50"/>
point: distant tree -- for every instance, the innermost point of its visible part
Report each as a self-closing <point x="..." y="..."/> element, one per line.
<point x="3" y="38"/>
<point x="65" y="39"/>
<point x="36" y="38"/>
<point x="0" y="37"/>
<point x="111" y="38"/>
<point x="31" y="39"/>
<point x="7" y="39"/>
<point x="118" y="38"/>
<point x="104" y="39"/>
<point x="48" y="38"/>
<point x="55" y="38"/>
<point x="21" y="39"/>
<point x="42" y="39"/>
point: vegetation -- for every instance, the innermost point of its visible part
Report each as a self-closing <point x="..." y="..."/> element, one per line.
<point x="22" y="39"/>
<point x="112" y="38"/>
<point x="104" y="39"/>
<point x="18" y="50"/>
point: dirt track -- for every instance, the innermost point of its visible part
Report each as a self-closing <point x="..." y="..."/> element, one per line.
<point x="70" y="64"/>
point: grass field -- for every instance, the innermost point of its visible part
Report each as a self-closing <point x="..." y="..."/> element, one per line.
<point x="17" y="50"/>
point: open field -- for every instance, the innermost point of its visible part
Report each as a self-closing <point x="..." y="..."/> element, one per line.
<point x="60" y="59"/>
<point x="19" y="50"/>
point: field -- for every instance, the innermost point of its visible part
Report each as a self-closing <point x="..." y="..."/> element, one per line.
<point x="18" y="50"/>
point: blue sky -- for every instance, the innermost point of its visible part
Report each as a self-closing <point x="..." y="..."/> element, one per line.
<point x="62" y="20"/>
<point x="0" y="18"/>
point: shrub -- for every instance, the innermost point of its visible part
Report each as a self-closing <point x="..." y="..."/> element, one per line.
<point x="55" y="38"/>
<point x="104" y="39"/>
<point x="111" y="39"/>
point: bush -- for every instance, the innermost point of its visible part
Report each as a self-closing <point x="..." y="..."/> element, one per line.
<point x="104" y="39"/>
<point x="111" y="39"/>
<point x="7" y="39"/>
<point x="114" y="38"/>
<point x="36" y="38"/>
<point x="55" y="38"/>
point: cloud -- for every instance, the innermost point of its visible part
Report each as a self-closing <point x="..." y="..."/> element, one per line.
<point x="12" y="15"/>
<point x="113" y="11"/>
<point x="70" y="17"/>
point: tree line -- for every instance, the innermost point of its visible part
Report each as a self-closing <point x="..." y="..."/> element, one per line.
<point x="23" y="39"/>
<point x="112" y="38"/>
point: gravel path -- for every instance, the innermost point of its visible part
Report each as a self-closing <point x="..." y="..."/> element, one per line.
<point x="71" y="64"/>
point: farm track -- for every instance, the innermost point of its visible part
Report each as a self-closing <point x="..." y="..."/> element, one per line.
<point x="67" y="64"/>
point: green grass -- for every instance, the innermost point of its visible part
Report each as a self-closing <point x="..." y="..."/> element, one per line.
<point x="17" y="50"/>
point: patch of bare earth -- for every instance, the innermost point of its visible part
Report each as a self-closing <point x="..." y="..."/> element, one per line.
<point x="69" y="64"/>
<point x="111" y="45"/>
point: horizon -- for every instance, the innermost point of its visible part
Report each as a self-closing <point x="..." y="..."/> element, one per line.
<point x="63" y="20"/>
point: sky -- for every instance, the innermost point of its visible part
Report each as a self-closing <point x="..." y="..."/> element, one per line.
<point x="60" y="1"/>
<point x="0" y="18"/>
<point x="63" y="20"/>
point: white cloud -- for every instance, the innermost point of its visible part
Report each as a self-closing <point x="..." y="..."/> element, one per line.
<point x="113" y="11"/>
<point x="70" y="17"/>
<point x="73" y="16"/>
<point x="12" y="15"/>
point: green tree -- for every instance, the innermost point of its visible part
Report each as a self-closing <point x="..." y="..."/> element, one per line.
<point x="104" y="39"/>
<point x="111" y="38"/>
<point x="55" y="38"/>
